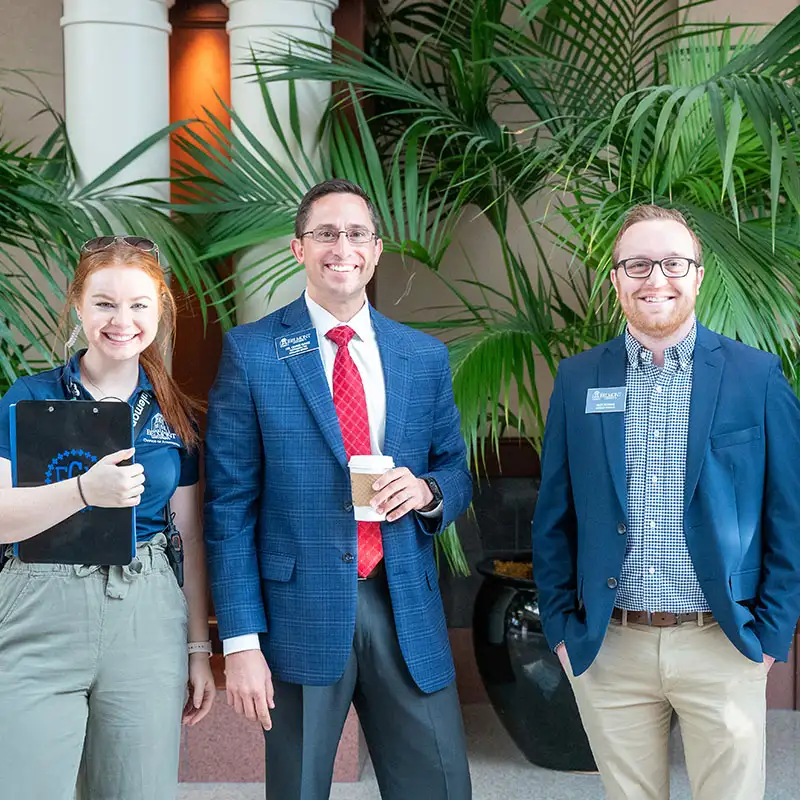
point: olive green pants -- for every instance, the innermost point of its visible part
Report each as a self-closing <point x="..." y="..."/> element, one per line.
<point x="93" y="671"/>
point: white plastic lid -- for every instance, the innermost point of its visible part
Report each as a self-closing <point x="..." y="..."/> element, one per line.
<point x="371" y="464"/>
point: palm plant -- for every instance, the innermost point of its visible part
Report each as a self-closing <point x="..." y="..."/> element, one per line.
<point x="718" y="139"/>
<point x="36" y="236"/>
<point x="482" y="105"/>
<point x="44" y="218"/>
<point x="479" y="107"/>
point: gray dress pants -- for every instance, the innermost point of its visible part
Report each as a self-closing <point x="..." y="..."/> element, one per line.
<point x="416" y="740"/>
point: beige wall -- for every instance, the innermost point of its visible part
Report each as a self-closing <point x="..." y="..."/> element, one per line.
<point x="30" y="38"/>
<point x="771" y="11"/>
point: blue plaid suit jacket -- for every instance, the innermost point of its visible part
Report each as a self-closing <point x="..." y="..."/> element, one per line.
<point x="278" y="523"/>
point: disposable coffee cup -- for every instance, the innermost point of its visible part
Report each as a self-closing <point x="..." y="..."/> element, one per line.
<point x="364" y="471"/>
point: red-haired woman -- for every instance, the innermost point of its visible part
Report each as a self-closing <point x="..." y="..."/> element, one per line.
<point x="94" y="661"/>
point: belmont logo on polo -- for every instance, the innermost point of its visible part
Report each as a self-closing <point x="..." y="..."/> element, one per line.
<point x="159" y="432"/>
<point x="296" y="344"/>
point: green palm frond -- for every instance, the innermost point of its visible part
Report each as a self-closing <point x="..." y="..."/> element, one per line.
<point x="44" y="219"/>
<point x="718" y="141"/>
<point x="245" y="196"/>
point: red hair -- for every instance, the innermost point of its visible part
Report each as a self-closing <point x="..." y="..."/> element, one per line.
<point x="645" y="213"/>
<point x="179" y="409"/>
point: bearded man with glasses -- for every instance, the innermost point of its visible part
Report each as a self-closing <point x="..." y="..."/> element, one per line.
<point x="666" y="538"/>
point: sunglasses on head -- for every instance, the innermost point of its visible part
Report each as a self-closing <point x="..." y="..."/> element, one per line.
<point x="104" y="242"/>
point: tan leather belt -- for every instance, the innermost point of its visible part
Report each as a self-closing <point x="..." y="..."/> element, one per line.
<point x="660" y="619"/>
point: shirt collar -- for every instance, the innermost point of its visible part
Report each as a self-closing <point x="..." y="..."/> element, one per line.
<point x="682" y="352"/>
<point x="323" y="321"/>
<point x="72" y="376"/>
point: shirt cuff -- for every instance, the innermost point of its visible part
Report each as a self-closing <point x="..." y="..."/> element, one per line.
<point x="237" y="644"/>
<point x="434" y="513"/>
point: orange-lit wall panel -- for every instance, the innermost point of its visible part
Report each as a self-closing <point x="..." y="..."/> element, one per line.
<point x="199" y="78"/>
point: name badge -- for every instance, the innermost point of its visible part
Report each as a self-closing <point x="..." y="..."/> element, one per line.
<point x="296" y="344"/>
<point x="606" y="400"/>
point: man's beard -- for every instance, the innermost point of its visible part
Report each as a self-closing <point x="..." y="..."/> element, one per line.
<point x="659" y="327"/>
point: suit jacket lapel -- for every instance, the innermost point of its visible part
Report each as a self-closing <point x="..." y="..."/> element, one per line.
<point x="707" y="368"/>
<point x="611" y="372"/>
<point x="309" y="374"/>
<point x="394" y="350"/>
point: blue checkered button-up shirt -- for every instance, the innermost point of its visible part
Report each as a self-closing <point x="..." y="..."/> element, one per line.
<point x="657" y="573"/>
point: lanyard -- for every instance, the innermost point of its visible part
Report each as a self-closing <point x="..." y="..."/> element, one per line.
<point x="142" y="409"/>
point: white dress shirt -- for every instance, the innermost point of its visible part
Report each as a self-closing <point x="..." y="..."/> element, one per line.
<point x="367" y="357"/>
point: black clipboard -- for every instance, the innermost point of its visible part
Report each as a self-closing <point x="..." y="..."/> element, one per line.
<point x="54" y="440"/>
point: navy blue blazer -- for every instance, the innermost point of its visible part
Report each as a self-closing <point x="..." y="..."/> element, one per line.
<point x="279" y="526"/>
<point x="741" y="499"/>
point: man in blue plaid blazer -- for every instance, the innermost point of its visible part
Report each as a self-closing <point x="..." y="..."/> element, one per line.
<point x="666" y="539"/>
<point x="303" y="634"/>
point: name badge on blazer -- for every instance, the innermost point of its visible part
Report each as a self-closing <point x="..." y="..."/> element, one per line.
<point x="296" y="344"/>
<point x="606" y="400"/>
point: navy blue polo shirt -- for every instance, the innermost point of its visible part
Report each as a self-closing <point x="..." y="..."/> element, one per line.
<point x="166" y="461"/>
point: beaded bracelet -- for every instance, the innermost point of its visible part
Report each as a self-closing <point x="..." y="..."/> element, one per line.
<point x="199" y="647"/>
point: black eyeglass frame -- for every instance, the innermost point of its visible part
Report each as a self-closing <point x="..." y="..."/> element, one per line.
<point x="653" y="262"/>
<point x="141" y="243"/>
<point x="373" y="236"/>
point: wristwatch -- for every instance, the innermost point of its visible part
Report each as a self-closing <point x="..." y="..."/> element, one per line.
<point x="435" y="491"/>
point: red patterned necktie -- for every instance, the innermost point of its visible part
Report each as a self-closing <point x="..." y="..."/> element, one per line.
<point x="351" y="408"/>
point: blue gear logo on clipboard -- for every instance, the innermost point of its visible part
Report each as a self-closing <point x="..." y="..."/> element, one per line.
<point x="69" y="464"/>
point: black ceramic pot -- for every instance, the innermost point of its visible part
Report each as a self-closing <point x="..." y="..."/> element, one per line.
<point x="523" y="677"/>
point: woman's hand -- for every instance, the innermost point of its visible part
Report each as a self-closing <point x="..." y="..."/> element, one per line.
<point x="107" y="485"/>
<point x="202" y="690"/>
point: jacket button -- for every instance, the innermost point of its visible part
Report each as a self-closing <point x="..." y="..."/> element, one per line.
<point x="347" y="558"/>
<point x="612" y="583"/>
<point x="348" y="506"/>
<point x="621" y="528"/>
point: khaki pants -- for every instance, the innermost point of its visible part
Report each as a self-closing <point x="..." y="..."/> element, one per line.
<point x="627" y="696"/>
<point x="93" y="671"/>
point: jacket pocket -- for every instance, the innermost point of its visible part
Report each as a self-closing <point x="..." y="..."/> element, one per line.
<point x="744" y="584"/>
<point x="430" y="580"/>
<point x="736" y="437"/>
<point x="276" y="566"/>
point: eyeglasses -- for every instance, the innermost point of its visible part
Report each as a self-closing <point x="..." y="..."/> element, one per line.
<point x="104" y="242"/>
<point x="331" y="235"/>
<point x="672" y="267"/>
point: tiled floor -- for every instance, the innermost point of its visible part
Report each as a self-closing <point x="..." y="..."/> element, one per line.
<point x="499" y="772"/>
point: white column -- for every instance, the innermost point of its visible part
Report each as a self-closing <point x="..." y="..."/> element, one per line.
<point x="269" y="22"/>
<point x="116" y="85"/>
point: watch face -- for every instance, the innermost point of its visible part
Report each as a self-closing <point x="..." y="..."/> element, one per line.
<point x="434" y="487"/>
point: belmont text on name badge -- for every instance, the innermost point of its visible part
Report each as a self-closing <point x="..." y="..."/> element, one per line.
<point x="606" y="400"/>
<point x="296" y="344"/>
